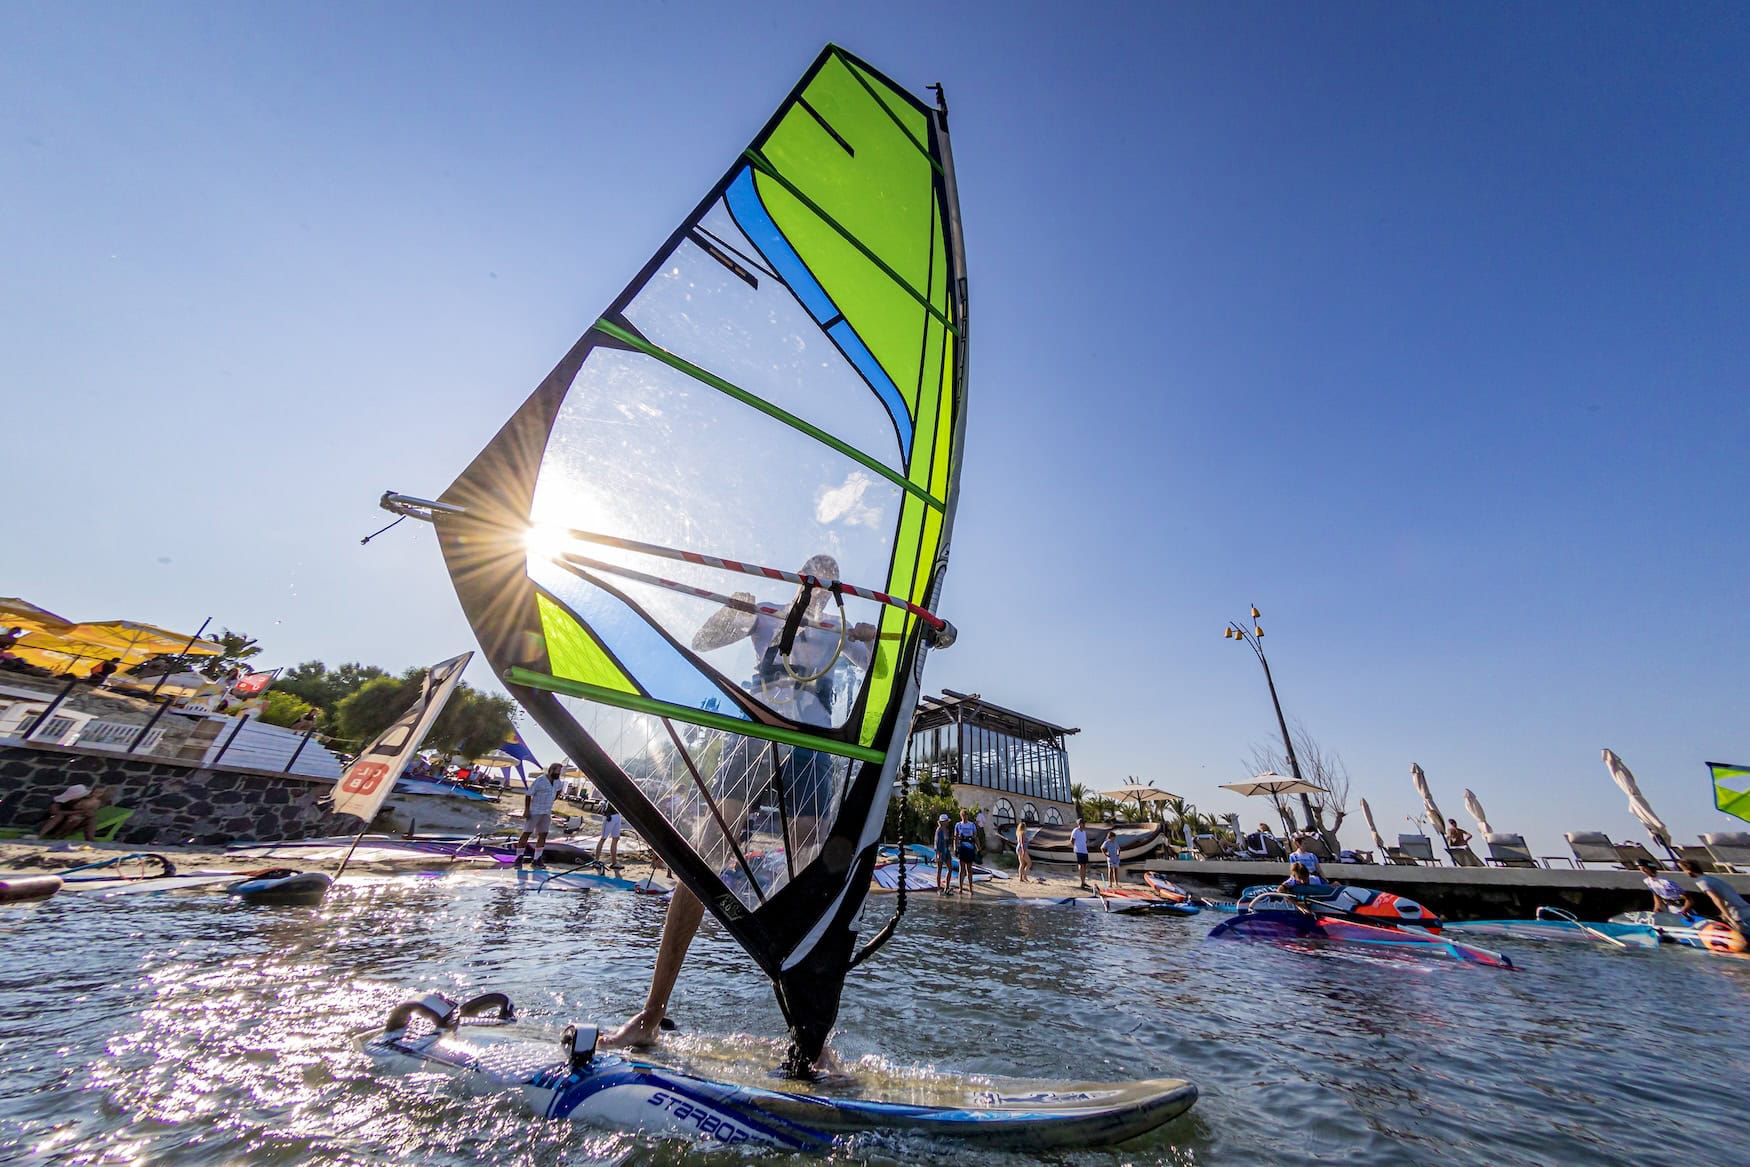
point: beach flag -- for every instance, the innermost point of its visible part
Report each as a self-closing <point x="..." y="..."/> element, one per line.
<point x="519" y="749"/>
<point x="251" y="684"/>
<point x="1731" y="789"/>
<point x="367" y="782"/>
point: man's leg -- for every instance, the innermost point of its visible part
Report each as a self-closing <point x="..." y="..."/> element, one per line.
<point x="678" y="927"/>
<point x="540" y="848"/>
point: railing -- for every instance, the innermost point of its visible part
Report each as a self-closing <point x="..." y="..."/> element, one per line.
<point x="115" y="735"/>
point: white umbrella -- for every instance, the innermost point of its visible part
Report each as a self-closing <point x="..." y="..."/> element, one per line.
<point x="1272" y="784"/>
<point x="1367" y="813"/>
<point x="1139" y="792"/>
<point x="1476" y="812"/>
<point x="1637" y="802"/>
<point x="1421" y="781"/>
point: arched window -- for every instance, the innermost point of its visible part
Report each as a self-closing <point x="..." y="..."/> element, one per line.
<point x="1051" y="816"/>
<point x="1030" y="812"/>
<point x="1004" y="812"/>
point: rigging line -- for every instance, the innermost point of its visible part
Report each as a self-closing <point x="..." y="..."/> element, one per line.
<point x="717" y="814"/>
<point x="626" y="336"/>
<point x="765" y="166"/>
<point x="928" y="617"/>
<point x="903" y="128"/>
<point x="753" y="608"/>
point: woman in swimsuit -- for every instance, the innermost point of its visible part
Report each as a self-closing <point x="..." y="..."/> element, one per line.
<point x="1023" y="857"/>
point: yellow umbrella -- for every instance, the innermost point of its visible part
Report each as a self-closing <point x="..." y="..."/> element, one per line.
<point x="127" y="641"/>
<point x="17" y="613"/>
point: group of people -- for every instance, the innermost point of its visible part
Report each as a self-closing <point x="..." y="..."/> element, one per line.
<point x="956" y="848"/>
<point x="1669" y="897"/>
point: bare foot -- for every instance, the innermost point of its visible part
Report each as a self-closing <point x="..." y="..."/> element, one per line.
<point x="641" y="1030"/>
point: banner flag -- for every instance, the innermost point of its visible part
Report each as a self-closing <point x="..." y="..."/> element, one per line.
<point x="367" y="782"/>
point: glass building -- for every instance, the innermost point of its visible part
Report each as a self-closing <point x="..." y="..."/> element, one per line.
<point x="1011" y="764"/>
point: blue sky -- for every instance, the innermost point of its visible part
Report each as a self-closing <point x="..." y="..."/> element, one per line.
<point x="1420" y="328"/>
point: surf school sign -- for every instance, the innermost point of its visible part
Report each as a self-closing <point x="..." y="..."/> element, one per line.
<point x="367" y="782"/>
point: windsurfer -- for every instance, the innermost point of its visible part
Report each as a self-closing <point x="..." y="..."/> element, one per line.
<point x="1301" y="880"/>
<point x="799" y="686"/>
<point x="966" y="849"/>
<point x="1079" y="840"/>
<point x="1734" y="911"/>
<point x="942" y="844"/>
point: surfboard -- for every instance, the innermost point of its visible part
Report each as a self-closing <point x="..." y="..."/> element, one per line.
<point x="571" y="1080"/>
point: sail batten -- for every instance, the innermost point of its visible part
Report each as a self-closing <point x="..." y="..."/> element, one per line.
<point x="785" y="377"/>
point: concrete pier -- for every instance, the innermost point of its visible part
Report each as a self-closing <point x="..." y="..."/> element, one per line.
<point x="1455" y="893"/>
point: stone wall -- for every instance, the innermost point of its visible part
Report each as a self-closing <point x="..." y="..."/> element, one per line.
<point x="172" y="802"/>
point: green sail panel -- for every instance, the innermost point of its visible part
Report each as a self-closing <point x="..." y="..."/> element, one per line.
<point x="1731" y="789"/>
<point x="782" y="385"/>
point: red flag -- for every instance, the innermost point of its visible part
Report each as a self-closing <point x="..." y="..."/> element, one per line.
<point x="250" y="684"/>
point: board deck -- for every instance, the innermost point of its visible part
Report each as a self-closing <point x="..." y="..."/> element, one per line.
<point x="630" y="1093"/>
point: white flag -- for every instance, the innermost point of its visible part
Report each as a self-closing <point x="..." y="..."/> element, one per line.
<point x="367" y="782"/>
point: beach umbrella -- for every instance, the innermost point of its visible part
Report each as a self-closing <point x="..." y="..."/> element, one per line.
<point x="1275" y="786"/>
<point x="1421" y="781"/>
<point x="1367" y="813"/>
<point x="17" y="613"/>
<point x="1139" y="792"/>
<point x="1637" y="802"/>
<point x="1476" y="812"/>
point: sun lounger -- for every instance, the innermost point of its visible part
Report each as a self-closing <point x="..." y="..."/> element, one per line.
<point x="1209" y="847"/>
<point x="1320" y="848"/>
<point x="1592" y="847"/>
<point x="1464" y="857"/>
<point x="1419" y="848"/>
<point x="1699" y="855"/>
<point x="1509" y="851"/>
<point x="1396" y="855"/>
<point x="1633" y="855"/>
<point x="1729" y="848"/>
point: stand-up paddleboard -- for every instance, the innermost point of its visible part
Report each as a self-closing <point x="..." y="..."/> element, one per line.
<point x="573" y="1081"/>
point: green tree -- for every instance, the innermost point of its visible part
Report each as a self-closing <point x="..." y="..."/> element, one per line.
<point x="1077" y="792"/>
<point x="315" y="684"/>
<point x="239" y="648"/>
<point x="471" y="724"/>
<point x="282" y="709"/>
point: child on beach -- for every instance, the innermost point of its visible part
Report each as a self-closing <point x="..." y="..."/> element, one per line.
<point x="1110" y="846"/>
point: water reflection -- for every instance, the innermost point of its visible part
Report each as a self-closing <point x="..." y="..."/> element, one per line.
<point x="189" y="1029"/>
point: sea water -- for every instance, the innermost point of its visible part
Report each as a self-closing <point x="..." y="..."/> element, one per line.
<point x="189" y="1029"/>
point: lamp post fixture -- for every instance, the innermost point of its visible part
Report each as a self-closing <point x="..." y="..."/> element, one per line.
<point x="1251" y="636"/>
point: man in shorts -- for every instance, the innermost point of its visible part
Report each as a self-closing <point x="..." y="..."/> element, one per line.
<point x="943" y="846"/>
<point x="611" y="823"/>
<point x="538" y="815"/>
<point x="966" y="849"/>
<point x="1079" y="839"/>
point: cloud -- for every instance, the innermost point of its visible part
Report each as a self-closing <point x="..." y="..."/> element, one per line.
<point x="844" y="503"/>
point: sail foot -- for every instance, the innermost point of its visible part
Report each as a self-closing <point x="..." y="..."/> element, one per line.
<point x="809" y="994"/>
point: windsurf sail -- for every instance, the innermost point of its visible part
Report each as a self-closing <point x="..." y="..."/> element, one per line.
<point x="777" y="401"/>
<point x="1731" y="789"/>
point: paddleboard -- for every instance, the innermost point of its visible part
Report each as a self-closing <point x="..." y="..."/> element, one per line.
<point x="572" y="1080"/>
<point x="1279" y="925"/>
<point x="1631" y="935"/>
<point x="1140" y="900"/>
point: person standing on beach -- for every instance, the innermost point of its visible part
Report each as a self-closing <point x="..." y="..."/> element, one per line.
<point x="611" y="823"/>
<point x="1079" y="840"/>
<point x="538" y="815"/>
<point x="966" y="849"/>
<point x="1023" y="857"/>
<point x="1110" y="846"/>
<point x="943" y="845"/>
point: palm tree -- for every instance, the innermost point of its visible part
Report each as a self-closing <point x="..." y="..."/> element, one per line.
<point x="1077" y="792"/>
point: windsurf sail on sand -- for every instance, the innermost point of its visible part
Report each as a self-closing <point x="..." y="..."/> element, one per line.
<point x="706" y="552"/>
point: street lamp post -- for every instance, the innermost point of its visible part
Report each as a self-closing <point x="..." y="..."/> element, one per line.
<point x="1251" y="637"/>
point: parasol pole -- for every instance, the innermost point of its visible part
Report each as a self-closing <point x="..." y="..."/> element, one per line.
<point x="1251" y="638"/>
